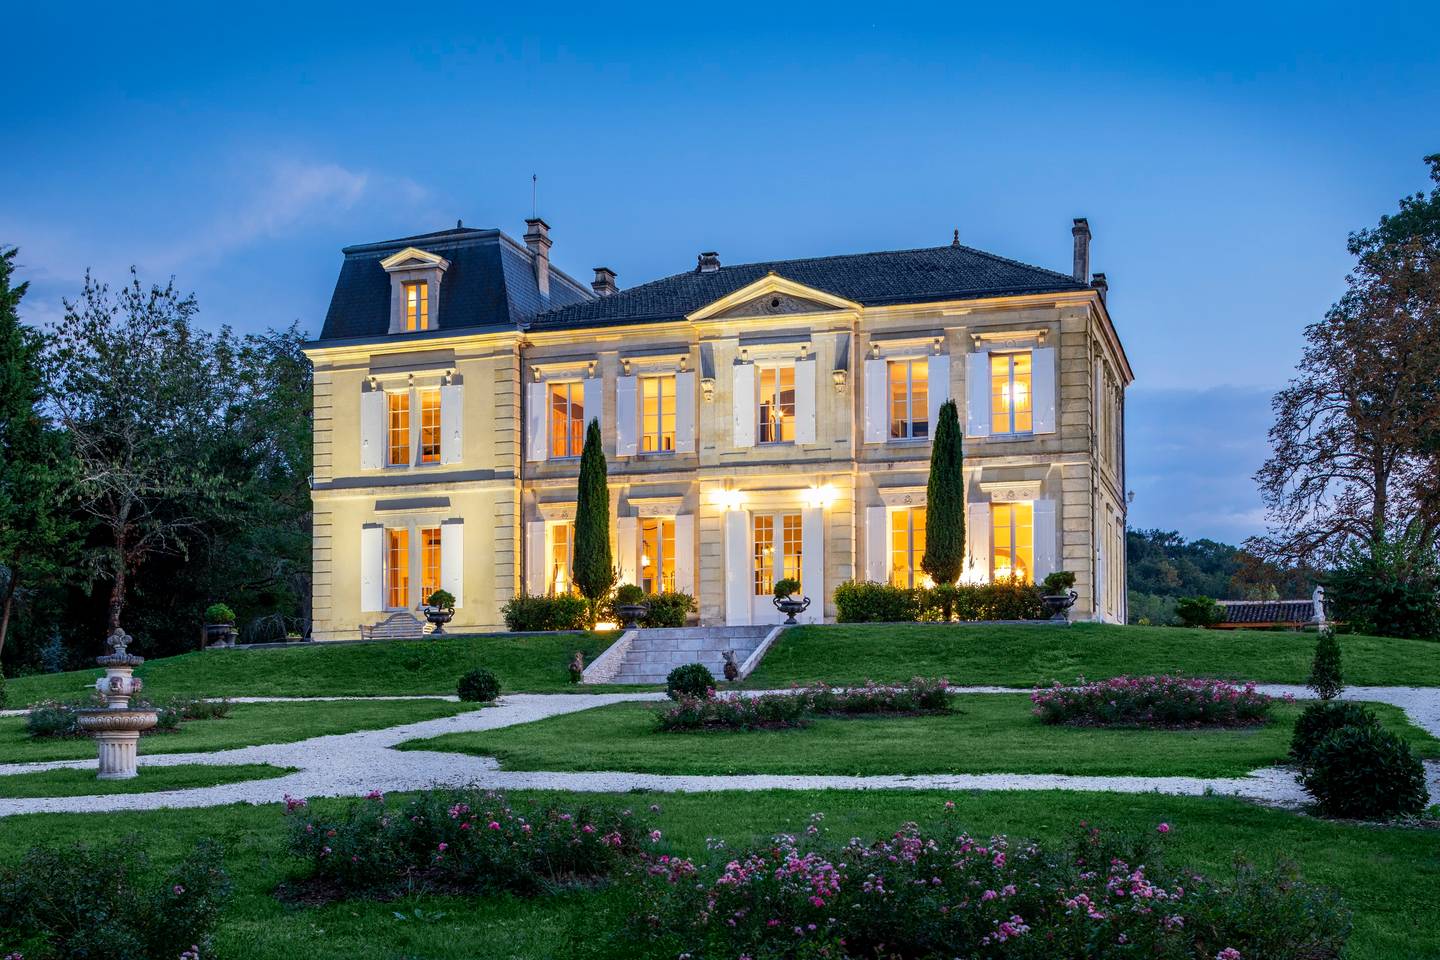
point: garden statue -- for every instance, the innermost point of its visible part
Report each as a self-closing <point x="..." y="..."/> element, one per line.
<point x="732" y="669"/>
<point x="116" y="726"/>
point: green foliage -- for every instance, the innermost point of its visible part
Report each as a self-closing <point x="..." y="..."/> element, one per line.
<point x="1325" y="677"/>
<point x="478" y="686"/>
<point x="1057" y="583"/>
<point x="865" y="601"/>
<point x="53" y="719"/>
<point x="629" y="593"/>
<point x="533" y="613"/>
<point x="870" y="602"/>
<point x="442" y="600"/>
<point x="1390" y="590"/>
<point x="689" y="680"/>
<point x="945" y="501"/>
<point x="668" y="609"/>
<point x="105" y="903"/>
<point x="786" y="587"/>
<point x="1365" y="773"/>
<point x="594" y="567"/>
<point x="1199" y="611"/>
<point x="1322" y="719"/>
<point x="219" y="613"/>
<point x="2" y="691"/>
<point x="1164" y="566"/>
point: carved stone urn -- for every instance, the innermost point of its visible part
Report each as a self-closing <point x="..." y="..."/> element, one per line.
<point x="631" y="614"/>
<point x="116" y="726"/>
<point x="791" y="607"/>
<point x="1059" y="603"/>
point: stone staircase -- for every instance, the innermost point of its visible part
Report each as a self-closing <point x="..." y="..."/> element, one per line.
<point x="648" y="656"/>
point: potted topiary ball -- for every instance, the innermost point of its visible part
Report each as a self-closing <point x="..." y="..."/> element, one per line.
<point x="440" y="610"/>
<point x="630" y="605"/>
<point x="478" y="686"/>
<point x="785" y="600"/>
<point x="1056" y="593"/>
<point x="220" y="626"/>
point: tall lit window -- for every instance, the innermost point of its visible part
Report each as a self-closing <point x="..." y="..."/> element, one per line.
<point x="657" y="414"/>
<point x="657" y="554"/>
<point x="417" y="305"/>
<point x="907" y="546"/>
<point x="909" y="399"/>
<point x="567" y="419"/>
<point x="398" y="428"/>
<point x="560" y="565"/>
<point x="1011" y="395"/>
<point x="1013" y="529"/>
<point x="429" y="425"/>
<point x="777" y="404"/>
<point x="397" y="567"/>
<point x="776" y="558"/>
<point x="429" y="562"/>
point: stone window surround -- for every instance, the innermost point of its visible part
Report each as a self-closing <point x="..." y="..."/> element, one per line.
<point x="407" y="266"/>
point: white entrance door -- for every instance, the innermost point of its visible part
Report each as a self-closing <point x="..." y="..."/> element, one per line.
<point x="776" y="542"/>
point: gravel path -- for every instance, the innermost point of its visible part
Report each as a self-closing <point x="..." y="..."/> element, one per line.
<point x="354" y="763"/>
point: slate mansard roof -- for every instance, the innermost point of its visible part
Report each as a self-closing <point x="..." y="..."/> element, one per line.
<point x="1269" y="611"/>
<point x="490" y="282"/>
<point x="929" y="274"/>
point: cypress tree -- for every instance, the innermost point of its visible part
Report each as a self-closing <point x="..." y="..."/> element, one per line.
<point x="945" y="501"/>
<point x="1325" y="677"/>
<point x="594" y="566"/>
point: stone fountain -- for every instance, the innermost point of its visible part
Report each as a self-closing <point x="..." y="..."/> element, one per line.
<point x="116" y="726"/>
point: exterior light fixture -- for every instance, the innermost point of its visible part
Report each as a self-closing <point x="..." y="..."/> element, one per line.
<point x="707" y="387"/>
<point x="839" y="377"/>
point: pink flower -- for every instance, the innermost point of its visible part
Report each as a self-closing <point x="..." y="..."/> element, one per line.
<point x="1163" y="828"/>
<point x="443" y="847"/>
<point x="493" y="825"/>
<point x="1229" y="953"/>
<point x="654" y="836"/>
<point x="375" y="795"/>
<point x="177" y="889"/>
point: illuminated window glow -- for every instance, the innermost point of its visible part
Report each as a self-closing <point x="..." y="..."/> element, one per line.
<point x="657" y="554"/>
<point x="909" y="399"/>
<point x="429" y="426"/>
<point x="770" y="566"/>
<point x="657" y="412"/>
<point x="398" y="405"/>
<point x="560" y="565"/>
<point x="1013" y="529"/>
<point x="429" y="562"/>
<point x="1011" y="393"/>
<point x="907" y="547"/>
<point x="567" y="419"/>
<point x="417" y="305"/>
<point x="397" y="568"/>
<point x="777" y="404"/>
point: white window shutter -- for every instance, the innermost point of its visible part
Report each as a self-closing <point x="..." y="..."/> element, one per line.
<point x="594" y="399"/>
<point x="877" y="541"/>
<point x="685" y="413"/>
<point x="1100" y="574"/>
<point x="743" y="409"/>
<point x="812" y="562"/>
<point x="805" y="401"/>
<point x="452" y="419"/>
<point x="738" y="587"/>
<point x="536" y="415"/>
<point x="977" y="395"/>
<point x="877" y="418"/>
<point x="938" y="387"/>
<point x="685" y="553"/>
<point x="627" y="420"/>
<point x="535" y="558"/>
<point x="627" y="549"/>
<point x="1042" y="362"/>
<point x="977" y="539"/>
<point x="372" y="563"/>
<point x="452" y="560"/>
<point x="1046" y="542"/>
<point x="372" y="430"/>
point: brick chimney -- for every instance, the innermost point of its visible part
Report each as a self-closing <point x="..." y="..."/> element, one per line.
<point x="1081" y="232"/>
<point x="709" y="262"/>
<point x="537" y="238"/>
<point x="604" y="282"/>
<point x="1101" y="286"/>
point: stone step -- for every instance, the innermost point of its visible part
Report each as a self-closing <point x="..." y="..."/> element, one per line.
<point x="737" y="632"/>
<point x="652" y="654"/>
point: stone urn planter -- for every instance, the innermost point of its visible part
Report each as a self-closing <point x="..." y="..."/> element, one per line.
<point x="631" y="614"/>
<point x="791" y="608"/>
<point x="438" y="617"/>
<point x="220" y="635"/>
<point x="116" y="726"/>
<point x="1059" y="603"/>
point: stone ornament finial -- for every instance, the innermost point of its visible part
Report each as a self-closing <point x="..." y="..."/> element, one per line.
<point x="119" y="641"/>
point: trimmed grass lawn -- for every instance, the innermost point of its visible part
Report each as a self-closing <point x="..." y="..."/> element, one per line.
<point x="82" y="783"/>
<point x="531" y="662"/>
<point x="1389" y="876"/>
<point x="248" y="724"/>
<point x="983" y="733"/>
<point x="1023" y="656"/>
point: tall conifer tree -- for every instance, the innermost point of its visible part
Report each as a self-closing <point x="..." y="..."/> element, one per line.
<point x="945" y="501"/>
<point x="594" y="566"/>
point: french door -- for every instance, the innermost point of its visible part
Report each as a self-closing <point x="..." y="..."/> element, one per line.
<point x="775" y="545"/>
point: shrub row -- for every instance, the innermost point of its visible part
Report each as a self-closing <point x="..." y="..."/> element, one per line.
<point x="57" y="719"/>
<point x="865" y="601"/>
<point x="797" y="707"/>
<point x="534" y="613"/>
<point x="941" y="893"/>
<point x="465" y="840"/>
<point x="1155" y="701"/>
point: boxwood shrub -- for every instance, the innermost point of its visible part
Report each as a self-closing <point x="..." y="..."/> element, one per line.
<point x="1365" y="773"/>
<point x="478" y="686"/>
<point x="1322" y="719"/>
<point x="528" y="613"/>
<point x="689" y="680"/>
<point x="865" y="601"/>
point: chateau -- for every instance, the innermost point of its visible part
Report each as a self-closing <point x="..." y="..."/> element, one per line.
<point x="760" y="421"/>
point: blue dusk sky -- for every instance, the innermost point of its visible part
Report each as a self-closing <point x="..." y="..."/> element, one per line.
<point x="1221" y="153"/>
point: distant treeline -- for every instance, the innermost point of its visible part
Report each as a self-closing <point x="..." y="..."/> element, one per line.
<point x="1165" y="566"/>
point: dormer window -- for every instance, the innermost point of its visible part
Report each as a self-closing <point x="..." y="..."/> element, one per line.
<point x="415" y="277"/>
<point x="417" y="305"/>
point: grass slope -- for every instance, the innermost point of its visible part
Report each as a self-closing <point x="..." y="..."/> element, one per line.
<point x="82" y="783"/>
<point x="982" y="734"/>
<point x="247" y="725"/>
<point x="1389" y="876"/>
<point x="1022" y="656"/>
<point x="522" y="662"/>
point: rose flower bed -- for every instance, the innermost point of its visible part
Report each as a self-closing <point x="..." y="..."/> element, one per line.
<point x="465" y="841"/>
<point x="796" y="707"/>
<point x="923" y="894"/>
<point x="1157" y="701"/>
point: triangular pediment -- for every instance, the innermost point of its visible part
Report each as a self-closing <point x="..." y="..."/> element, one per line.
<point x="412" y="258"/>
<point x="772" y="296"/>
